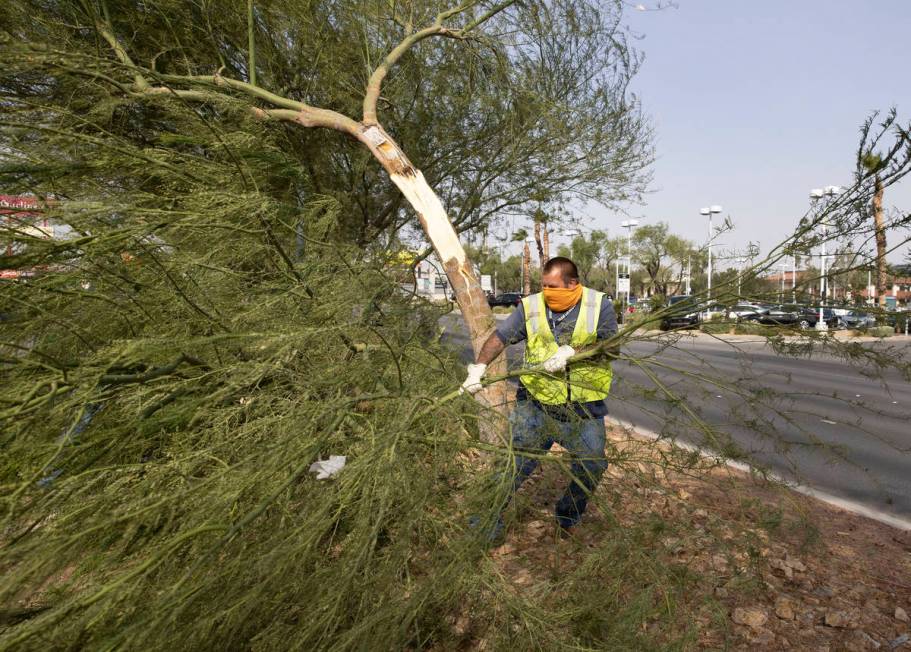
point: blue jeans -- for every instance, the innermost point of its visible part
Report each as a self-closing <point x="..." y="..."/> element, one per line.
<point x="533" y="431"/>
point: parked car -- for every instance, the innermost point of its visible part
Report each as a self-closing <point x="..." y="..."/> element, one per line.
<point x="505" y="299"/>
<point x="747" y="311"/>
<point x="682" y="311"/>
<point x="712" y="312"/>
<point x="858" y="319"/>
<point x="803" y="317"/>
<point x="831" y="317"/>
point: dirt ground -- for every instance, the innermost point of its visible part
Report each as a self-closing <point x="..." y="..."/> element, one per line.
<point x="784" y="571"/>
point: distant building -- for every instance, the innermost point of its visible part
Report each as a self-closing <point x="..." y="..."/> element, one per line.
<point x="896" y="286"/>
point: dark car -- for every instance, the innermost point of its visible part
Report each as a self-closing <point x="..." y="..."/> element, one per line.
<point x="681" y="311"/>
<point x="505" y="299"/>
<point x="803" y="317"/>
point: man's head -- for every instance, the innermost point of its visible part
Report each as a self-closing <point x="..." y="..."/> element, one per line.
<point x="560" y="272"/>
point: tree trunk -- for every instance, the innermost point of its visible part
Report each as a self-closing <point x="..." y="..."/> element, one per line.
<point x="546" y="239"/>
<point x="541" y="259"/>
<point x="477" y="314"/>
<point x="880" y="241"/>
<point x="526" y="269"/>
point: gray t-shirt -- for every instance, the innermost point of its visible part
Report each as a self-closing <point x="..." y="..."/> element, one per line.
<point x="512" y="330"/>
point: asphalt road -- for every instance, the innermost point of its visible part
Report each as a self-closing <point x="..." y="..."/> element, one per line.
<point x="840" y="427"/>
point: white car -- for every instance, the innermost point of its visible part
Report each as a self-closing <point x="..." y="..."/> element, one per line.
<point x="714" y="311"/>
<point x="746" y="311"/>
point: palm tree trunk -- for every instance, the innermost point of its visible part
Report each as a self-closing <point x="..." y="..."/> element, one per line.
<point x="880" y="240"/>
<point x="541" y="259"/>
<point x="526" y="269"/>
<point x="546" y="243"/>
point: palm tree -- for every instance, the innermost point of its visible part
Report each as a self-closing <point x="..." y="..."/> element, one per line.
<point x="872" y="164"/>
<point x="522" y="236"/>
<point x="542" y="238"/>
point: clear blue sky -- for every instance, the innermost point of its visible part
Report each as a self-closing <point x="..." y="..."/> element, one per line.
<point x="755" y="102"/>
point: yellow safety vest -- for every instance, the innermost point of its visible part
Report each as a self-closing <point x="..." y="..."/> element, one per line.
<point x="583" y="382"/>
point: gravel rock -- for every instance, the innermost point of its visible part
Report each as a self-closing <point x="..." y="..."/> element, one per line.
<point x="841" y="619"/>
<point x="762" y="636"/>
<point x="780" y="564"/>
<point x="795" y="564"/>
<point x="901" y="640"/>
<point x="901" y="614"/>
<point x="785" y="608"/>
<point x="752" y="617"/>
<point x="869" y="641"/>
<point x="536" y="528"/>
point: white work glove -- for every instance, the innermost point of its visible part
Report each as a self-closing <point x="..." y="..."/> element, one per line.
<point x="557" y="362"/>
<point x="472" y="384"/>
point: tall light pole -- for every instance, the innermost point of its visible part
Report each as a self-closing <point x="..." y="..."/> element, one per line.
<point x="781" y="286"/>
<point x="629" y="225"/>
<point x="689" y="273"/>
<point x="616" y="278"/>
<point x="711" y="210"/>
<point x="794" y="278"/>
<point x="740" y="262"/>
<point x="815" y="195"/>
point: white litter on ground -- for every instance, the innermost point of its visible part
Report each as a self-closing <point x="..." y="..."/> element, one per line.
<point x="325" y="469"/>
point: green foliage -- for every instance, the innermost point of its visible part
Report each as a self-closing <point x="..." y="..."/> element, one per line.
<point x="880" y="331"/>
<point x="753" y="328"/>
<point x="213" y="320"/>
<point x="530" y="113"/>
<point x="716" y="327"/>
<point x="219" y="316"/>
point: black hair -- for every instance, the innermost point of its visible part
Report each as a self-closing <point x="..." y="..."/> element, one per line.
<point x="568" y="269"/>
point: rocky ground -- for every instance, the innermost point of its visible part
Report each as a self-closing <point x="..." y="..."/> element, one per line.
<point x="779" y="570"/>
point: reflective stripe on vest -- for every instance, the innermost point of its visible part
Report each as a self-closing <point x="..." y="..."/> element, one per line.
<point x="586" y="381"/>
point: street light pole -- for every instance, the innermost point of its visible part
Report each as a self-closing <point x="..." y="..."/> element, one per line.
<point x="794" y="278"/>
<point x="815" y="195"/>
<point x="739" y="275"/>
<point x="629" y="225"/>
<point x="711" y="210"/>
<point x="781" y="285"/>
<point x="688" y="275"/>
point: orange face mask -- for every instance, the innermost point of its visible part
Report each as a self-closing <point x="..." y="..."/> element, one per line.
<point x="562" y="299"/>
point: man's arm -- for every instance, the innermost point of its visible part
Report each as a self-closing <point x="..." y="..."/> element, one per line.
<point x="509" y="332"/>
<point x="492" y="348"/>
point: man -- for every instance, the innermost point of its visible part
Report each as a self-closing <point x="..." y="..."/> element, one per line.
<point x="563" y="405"/>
